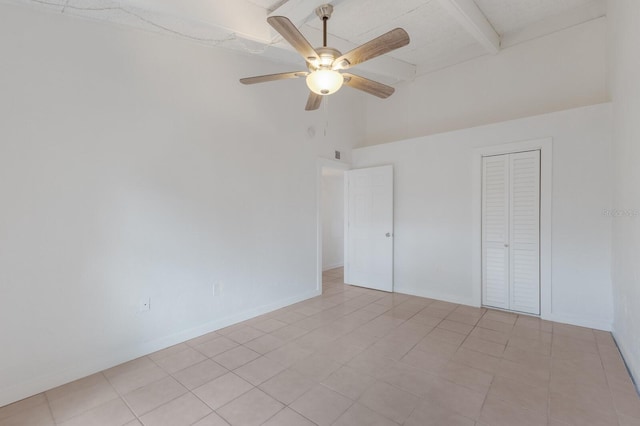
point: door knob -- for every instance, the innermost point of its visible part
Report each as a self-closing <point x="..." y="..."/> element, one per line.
<point x="506" y="245"/>
<point x="388" y="234"/>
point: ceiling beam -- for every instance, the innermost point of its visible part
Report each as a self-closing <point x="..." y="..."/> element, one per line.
<point x="469" y="15"/>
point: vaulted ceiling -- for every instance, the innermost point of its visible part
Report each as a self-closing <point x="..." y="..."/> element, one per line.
<point x="443" y="32"/>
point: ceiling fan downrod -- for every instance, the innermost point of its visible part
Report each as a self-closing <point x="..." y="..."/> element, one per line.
<point x="324" y="31"/>
<point x="324" y="12"/>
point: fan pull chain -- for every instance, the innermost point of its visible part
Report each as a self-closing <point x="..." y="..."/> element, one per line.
<point x="325" y="106"/>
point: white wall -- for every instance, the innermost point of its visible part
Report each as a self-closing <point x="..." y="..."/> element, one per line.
<point x="563" y="70"/>
<point x="332" y="218"/>
<point x="624" y="25"/>
<point x="434" y="181"/>
<point x="134" y="165"/>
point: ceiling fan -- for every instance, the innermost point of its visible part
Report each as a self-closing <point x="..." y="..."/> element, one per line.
<point x="325" y="63"/>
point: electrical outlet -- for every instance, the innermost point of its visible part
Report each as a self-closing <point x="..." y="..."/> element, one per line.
<point x="337" y="155"/>
<point x="144" y="305"/>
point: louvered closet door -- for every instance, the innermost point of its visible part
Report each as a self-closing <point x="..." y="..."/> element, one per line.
<point x="495" y="231"/>
<point x="511" y="232"/>
<point x="524" y="259"/>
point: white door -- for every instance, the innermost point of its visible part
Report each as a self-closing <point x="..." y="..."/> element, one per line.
<point x="511" y="232"/>
<point x="369" y="228"/>
<point x="495" y="231"/>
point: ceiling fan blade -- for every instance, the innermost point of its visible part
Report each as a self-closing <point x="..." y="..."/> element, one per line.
<point x="295" y="38"/>
<point x="372" y="87"/>
<point x="313" y="102"/>
<point x="273" y="77"/>
<point x="387" y="42"/>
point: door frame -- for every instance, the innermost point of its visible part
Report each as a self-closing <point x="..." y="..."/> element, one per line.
<point x="322" y="163"/>
<point x="545" y="145"/>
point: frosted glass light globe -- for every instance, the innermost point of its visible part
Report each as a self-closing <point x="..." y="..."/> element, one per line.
<point x="325" y="82"/>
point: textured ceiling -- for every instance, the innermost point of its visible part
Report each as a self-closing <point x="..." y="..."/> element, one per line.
<point x="443" y="32"/>
<point x="508" y="16"/>
<point x="360" y="20"/>
<point x="433" y="30"/>
<point x="268" y="4"/>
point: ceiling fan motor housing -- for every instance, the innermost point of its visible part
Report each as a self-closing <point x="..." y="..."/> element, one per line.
<point x="327" y="56"/>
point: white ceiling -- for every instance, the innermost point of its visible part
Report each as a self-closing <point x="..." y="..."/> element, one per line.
<point x="443" y="32"/>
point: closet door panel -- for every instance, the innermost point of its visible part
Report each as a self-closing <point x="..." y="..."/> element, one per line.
<point x="524" y="241"/>
<point x="495" y="231"/>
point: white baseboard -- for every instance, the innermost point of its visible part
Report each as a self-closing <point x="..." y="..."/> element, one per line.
<point x="630" y="361"/>
<point x="590" y="322"/>
<point x="332" y="266"/>
<point x="57" y="378"/>
<point x="434" y="295"/>
<point x="603" y="324"/>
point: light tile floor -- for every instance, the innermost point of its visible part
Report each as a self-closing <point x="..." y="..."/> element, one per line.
<point x="355" y="356"/>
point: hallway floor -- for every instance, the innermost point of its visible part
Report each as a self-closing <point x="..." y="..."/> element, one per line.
<point x="354" y="356"/>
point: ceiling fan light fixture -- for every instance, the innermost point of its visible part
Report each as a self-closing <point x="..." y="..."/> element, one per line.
<point x="324" y="64"/>
<point x="325" y="82"/>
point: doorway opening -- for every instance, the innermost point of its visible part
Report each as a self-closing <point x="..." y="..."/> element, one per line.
<point x="331" y="220"/>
